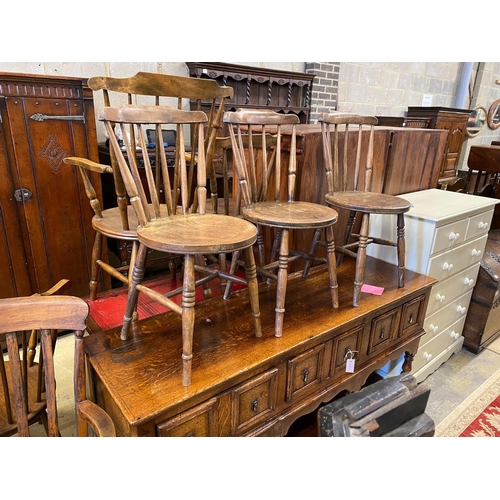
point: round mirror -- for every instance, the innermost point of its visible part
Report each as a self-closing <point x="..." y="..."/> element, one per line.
<point x="476" y="121"/>
<point x="494" y="115"/>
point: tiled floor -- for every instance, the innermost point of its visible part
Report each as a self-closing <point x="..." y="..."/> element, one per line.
<point x="450" y="384"/>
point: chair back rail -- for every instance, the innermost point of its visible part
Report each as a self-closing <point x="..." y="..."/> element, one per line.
<point x="159" y="86"/>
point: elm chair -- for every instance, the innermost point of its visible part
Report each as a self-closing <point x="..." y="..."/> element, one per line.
<point x="33" y="383"/>
<point x="348" y="159"/>
<point x="185" y="231"/>
<point x="30" y="391"/>
<point x="154" y="89"/>
<point x="118" y="222"/>
<point x="268" y="199"/>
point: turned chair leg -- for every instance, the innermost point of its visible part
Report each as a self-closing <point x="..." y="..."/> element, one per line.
<point x="360" y="259"/>
<point x="253" y="286"/>
<point x="282" y="283"/>
<point x="137" y="274"/>
<point x="332" y="267"/>
<point x="94" y="274"/>
<point x="188" y="303"/>
<point x="401" y="247"/>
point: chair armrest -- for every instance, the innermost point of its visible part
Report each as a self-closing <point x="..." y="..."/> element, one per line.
<point x="97" y="418"/>
<point x="88" y="164"/>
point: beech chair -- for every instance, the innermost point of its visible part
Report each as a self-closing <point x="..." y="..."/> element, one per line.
<point x="268" y="200"/>
<point x="29" y="392"/>
<point x="349" y="164"/>
<point x="153" y="89"/>
<point x="186" y="230"/>
<point x="160" y="89"/>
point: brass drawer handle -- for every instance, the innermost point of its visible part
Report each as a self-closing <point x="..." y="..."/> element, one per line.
<point x="410" y="319"/>
<point x="382" y="333"/>
<point x="305" y="375"/>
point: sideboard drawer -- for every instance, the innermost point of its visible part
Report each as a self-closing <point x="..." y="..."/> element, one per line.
<point x="198" y="421"/>
<point x="304" y="372"/>
<point x="346" y="345"/>
<point x="384" y="328"/>
<point x="253" y="401"/>
<point x="412" y="318"/>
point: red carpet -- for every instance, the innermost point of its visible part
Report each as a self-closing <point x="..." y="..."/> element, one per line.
<point x="478" y="415"/>
<point x="108" y="309"/>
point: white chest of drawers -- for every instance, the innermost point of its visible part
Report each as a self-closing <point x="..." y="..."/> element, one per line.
<point x="446" y="233"/>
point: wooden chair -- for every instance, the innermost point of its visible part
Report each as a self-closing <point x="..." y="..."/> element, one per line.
<point x="184" y="231"/>
<point x="29" y="392"/>
<point x="348" y="167"/>
<point x="107" y="223"/>
<point x="34" y="383"/>
<point x="268" y="200"/>
<point x="155" y="89"/>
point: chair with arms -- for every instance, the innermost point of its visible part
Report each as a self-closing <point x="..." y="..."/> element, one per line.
<point x="268" y="200"/>
<point x="119" y="222"/>
<point x="33" y="383"/>
<point x="349" y="166"/>
<point x="185" y="231"/>
<point x="20" y="383"/>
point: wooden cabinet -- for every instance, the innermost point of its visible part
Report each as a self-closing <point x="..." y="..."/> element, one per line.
<point x="482" y="325"/>
<point x="446" y="233"/>
<point x="44" y="212"/>
<point x="254" y="87"/>
<point x="248" y="386"/>
<point x="455" y="121"/>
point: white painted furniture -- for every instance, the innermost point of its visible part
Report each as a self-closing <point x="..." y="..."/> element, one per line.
<point x="446" y="234"/>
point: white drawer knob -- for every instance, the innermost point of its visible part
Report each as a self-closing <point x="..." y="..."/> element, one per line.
<point x="440" y="298"/>
<point x="433" y="328"/>
<point x="468" y="281"/>
<point x="454" y="335"/>
<point x="447" y="267"/>
<point x="454" y="236"/>
<point x="461" y="309"/>
<point x="482" y="225"/>
<point x="476" y="252"/>
<point x="427" y="356"/>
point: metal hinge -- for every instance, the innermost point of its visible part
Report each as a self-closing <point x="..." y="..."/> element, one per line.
<point x="38" y="117"/>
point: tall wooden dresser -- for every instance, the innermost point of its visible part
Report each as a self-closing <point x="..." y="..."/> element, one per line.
<point x="45" y="215"/>
<point x="446" y="234"/>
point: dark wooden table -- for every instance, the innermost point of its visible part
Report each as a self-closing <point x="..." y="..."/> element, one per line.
<point x="250" y="386"/>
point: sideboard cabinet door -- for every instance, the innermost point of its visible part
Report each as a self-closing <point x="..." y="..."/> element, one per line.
<point x="45" y="215"/>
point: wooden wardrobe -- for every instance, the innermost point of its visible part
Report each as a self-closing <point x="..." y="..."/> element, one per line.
<point x="45" y="216"/>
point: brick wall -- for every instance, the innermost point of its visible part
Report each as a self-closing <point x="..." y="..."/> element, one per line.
<point x="324" y="96"/>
